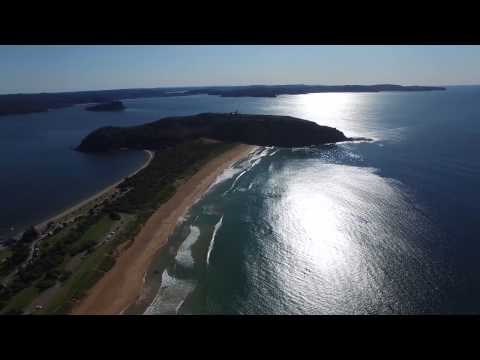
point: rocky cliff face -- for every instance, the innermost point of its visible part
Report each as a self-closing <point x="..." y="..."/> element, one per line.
<point x="264" y="130"/>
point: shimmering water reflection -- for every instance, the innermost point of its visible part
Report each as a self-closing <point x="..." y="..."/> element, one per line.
<point x="388" y="227"/>
<point x="343" y="240"/>
<point x="297" y="233"/>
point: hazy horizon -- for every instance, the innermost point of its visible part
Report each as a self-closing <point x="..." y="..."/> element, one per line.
<point x="47" y="68"/>
<point x="225" y="85"/>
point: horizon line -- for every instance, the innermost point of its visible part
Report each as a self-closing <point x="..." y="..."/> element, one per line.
<point x="211" y="86"/>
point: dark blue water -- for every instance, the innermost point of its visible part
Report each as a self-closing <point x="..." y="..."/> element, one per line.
<point x="387" y="227"/>
<point x="382" y="227"/>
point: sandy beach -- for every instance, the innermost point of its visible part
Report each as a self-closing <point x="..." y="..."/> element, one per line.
<point x="122" y="285"/>
<point x="69" y="212"/>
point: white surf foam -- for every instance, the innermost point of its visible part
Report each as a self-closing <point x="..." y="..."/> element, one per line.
<point x="171" y="295"/>
<point x="184" y="255"/>
<point x="210" y="246"/>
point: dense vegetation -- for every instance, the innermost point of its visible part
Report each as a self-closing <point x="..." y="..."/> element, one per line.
<point x="142" y="194"/>
<point x="20" y="250"/>
<point x="265" y="130"/>
<point x="156" y="183"/>
<point x="29" y="235"/>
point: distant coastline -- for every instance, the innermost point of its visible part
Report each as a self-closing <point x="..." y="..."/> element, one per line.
<point x="41" y="102"/>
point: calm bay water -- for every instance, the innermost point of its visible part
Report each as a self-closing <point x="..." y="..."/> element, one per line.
<point x="41" y="174"/>
<point x="354" y="228"/>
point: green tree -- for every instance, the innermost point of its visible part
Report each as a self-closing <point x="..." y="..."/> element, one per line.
<point x="114" y="216"/>
<point x="30" y="234"/>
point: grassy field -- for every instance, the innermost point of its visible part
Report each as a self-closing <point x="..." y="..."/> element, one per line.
<point x="90" y="269"/>
<point x="83" y="278"/>
<point x="52" y="240"/>
<point x="21" y="299"/>
<point x="4" y="254"/>
<point x="95" y="232"/>
<point x="83" y="275"/>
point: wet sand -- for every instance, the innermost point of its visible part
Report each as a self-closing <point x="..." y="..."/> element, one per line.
<point x="122" y="285"/>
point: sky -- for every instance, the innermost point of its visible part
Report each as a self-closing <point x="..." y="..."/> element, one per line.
<point x="42" y="68"/>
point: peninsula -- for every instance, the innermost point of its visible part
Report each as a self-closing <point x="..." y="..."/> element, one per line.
<point x="263" y="130"/>
<point x="77" y="261"/>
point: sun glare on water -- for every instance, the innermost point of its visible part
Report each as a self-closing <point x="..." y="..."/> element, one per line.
<point x="329" y="222"/>
<point x="340" y="110"/>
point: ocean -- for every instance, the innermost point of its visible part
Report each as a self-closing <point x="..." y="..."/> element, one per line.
<point x="381" y="227"/>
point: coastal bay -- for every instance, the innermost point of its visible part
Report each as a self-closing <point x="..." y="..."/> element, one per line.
<point x="239" y="180"/>
<point x="116" y="290"/>
<point x="122" y="286"/>
<point x="93" y="200"/>
<point x="420" y="158"/>
<point x="54" y="272"/>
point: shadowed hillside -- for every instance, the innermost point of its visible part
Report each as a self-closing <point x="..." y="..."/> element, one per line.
<point x="264" y="130"/>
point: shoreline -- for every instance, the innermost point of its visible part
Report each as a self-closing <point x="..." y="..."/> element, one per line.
<point x="79" y="205"/>
<point x="123" y="285"/>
